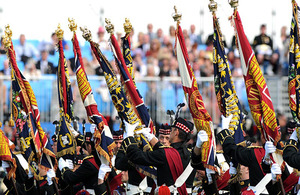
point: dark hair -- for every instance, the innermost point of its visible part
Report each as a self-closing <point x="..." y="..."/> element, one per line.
<point x="185" y="137"/>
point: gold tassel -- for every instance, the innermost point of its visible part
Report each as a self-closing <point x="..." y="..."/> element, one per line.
<point x="0" y="124"/>
<point x="11" y="121"/>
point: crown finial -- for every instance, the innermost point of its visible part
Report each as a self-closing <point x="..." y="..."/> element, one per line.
<point x="234" y="3"/>
<point x="59" y="33"/>
<point x="127" y="26"/>
<point x="72" y="25"/>
<point x="7" y="36"/>
<point x="213" y="6"/>
<point x="86" y="33"/>
<point x="109" y="27"/>
<point x="176" y="15"/>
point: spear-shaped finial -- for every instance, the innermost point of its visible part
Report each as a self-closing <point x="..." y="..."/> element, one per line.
<point x="234" y="3"/>
<point x="7" y="36"/>
<point x="109" y="27"/>
<point x="59" y="33"/>
<point x="127" y="26"/>
<point x="86" y="33"/>
<point x="176" y="15"/>
<point x="72" y="25"/>
<point x="213" y="6"/>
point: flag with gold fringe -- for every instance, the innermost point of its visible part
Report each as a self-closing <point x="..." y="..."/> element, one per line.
<point x="294" y="67"/>
<point x="201" y="117"/>
<point x="259" y="98"/>
<point x="130" y="90"/>
<point x="66" y="144"/>
<point x="104" y="142"/>
<point x="227" y="98"/>
<point x="42" y="147"/>
<point x="6" y="155"/>
<point x="22" y="122"/>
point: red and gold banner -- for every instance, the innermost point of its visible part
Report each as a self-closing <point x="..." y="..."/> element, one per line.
<point x="259" y="98"/>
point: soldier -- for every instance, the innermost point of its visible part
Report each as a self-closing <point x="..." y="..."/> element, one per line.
<point x="257" y="158"/>
<point x="164" y="134"/>
<point x="169" y="161"/>
<point x="87" y="172"/>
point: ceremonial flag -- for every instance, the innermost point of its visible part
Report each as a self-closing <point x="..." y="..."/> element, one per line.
<point x="104" y="142"/>
<point x="6" y="155"/>
<point x="130" y="89"/>
<point x="294" y="66"/>
<point x="126" y="48"/>
<point x="121" y="103"/>
<point x="22" y="121"/>
<point x="27" y="98"/>
<point x="66" y="144"/>
<point x="228" y="101"/>
<point x="259" y="98"/>
<point x="201" y="117"/>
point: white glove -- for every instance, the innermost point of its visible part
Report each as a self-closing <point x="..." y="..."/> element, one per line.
<point x="5" y="165"/>
<point x="226" y="121"/>
<point x="209" y="172"/>
<point x="62" y="164"/>
<point x="232" y="169"/>
<point x="30" y="174"/>
<point x="294" y="136"/>
<point x="201" y="138"/>
<point x="129" y="129"/>
<point x="146" y="132"/>
<point x="275" y="170"/>
<point x="74" y="132"/>
<point x="103" y="170"/>
<point x="269" y="148"/>
<point x="70" y="164"/>
<point x="50" y="175"/>
<point x="92" y="128"/>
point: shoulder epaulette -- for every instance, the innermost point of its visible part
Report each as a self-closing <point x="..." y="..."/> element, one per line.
<point x="219" y="151"/>
<point x="254" y="147"/>
<point x="91" y="156"/>
<point x="162" y="146"/>
<point x="17" y="152"/>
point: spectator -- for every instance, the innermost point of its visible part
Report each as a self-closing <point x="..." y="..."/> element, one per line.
<point x="6" y="70"/>
<point x="101" y="40"/>
<point x="89" y="70"/>
<point x="164" y="68"/>
<point x="145" y="46"/>
<point x="174" y="70"/>
<point x="150" y="32"/>
<point x="25" y="51"/>
<point x="172" y="32"/>
<point x="263" y="44"/>
<point x="283" y="48"/>
<point x="30" y="70"/>
<point x="44" y="65"/>
<point x="2" y="48"/>
<point x="193" y="37"/>
<point x="154" y="49"/>
<point x="139" y="63"/>
<point x="160" y="36"/>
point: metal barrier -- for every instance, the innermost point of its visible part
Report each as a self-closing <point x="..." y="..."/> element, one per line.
<point x="160" y="95"/>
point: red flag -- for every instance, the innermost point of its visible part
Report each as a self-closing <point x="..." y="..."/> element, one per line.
<point x="259" y="98"/>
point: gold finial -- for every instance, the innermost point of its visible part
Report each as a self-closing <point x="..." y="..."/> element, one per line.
<point x="7" y="36"/>
<point x="8" y="31"/>
<point x="127" y="26"/>
<point x="213" y="6"/>
<point x="72" y="25"/>
<point x="234" y="3"/>
<point x="86" y="33"/>
<point x="176" y="15"/>
<point x="109" y="27"/>
<point x="59" y="33"/>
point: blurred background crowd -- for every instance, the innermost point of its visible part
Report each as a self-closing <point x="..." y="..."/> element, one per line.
<point x="155" y="68"/>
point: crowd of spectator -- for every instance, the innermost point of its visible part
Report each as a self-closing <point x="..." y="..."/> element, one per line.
<point x="153" y="56"/>
<point x="155" y="50"/>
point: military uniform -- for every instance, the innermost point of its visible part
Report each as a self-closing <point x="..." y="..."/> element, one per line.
<point x="158" y="157"/>
<point x="249" y="156"/>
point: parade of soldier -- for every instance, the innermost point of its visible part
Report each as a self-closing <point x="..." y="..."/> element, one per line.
<point x="152" y="112"/>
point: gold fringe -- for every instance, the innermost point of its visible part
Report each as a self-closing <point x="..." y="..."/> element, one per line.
<point x="237" y="177"/>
